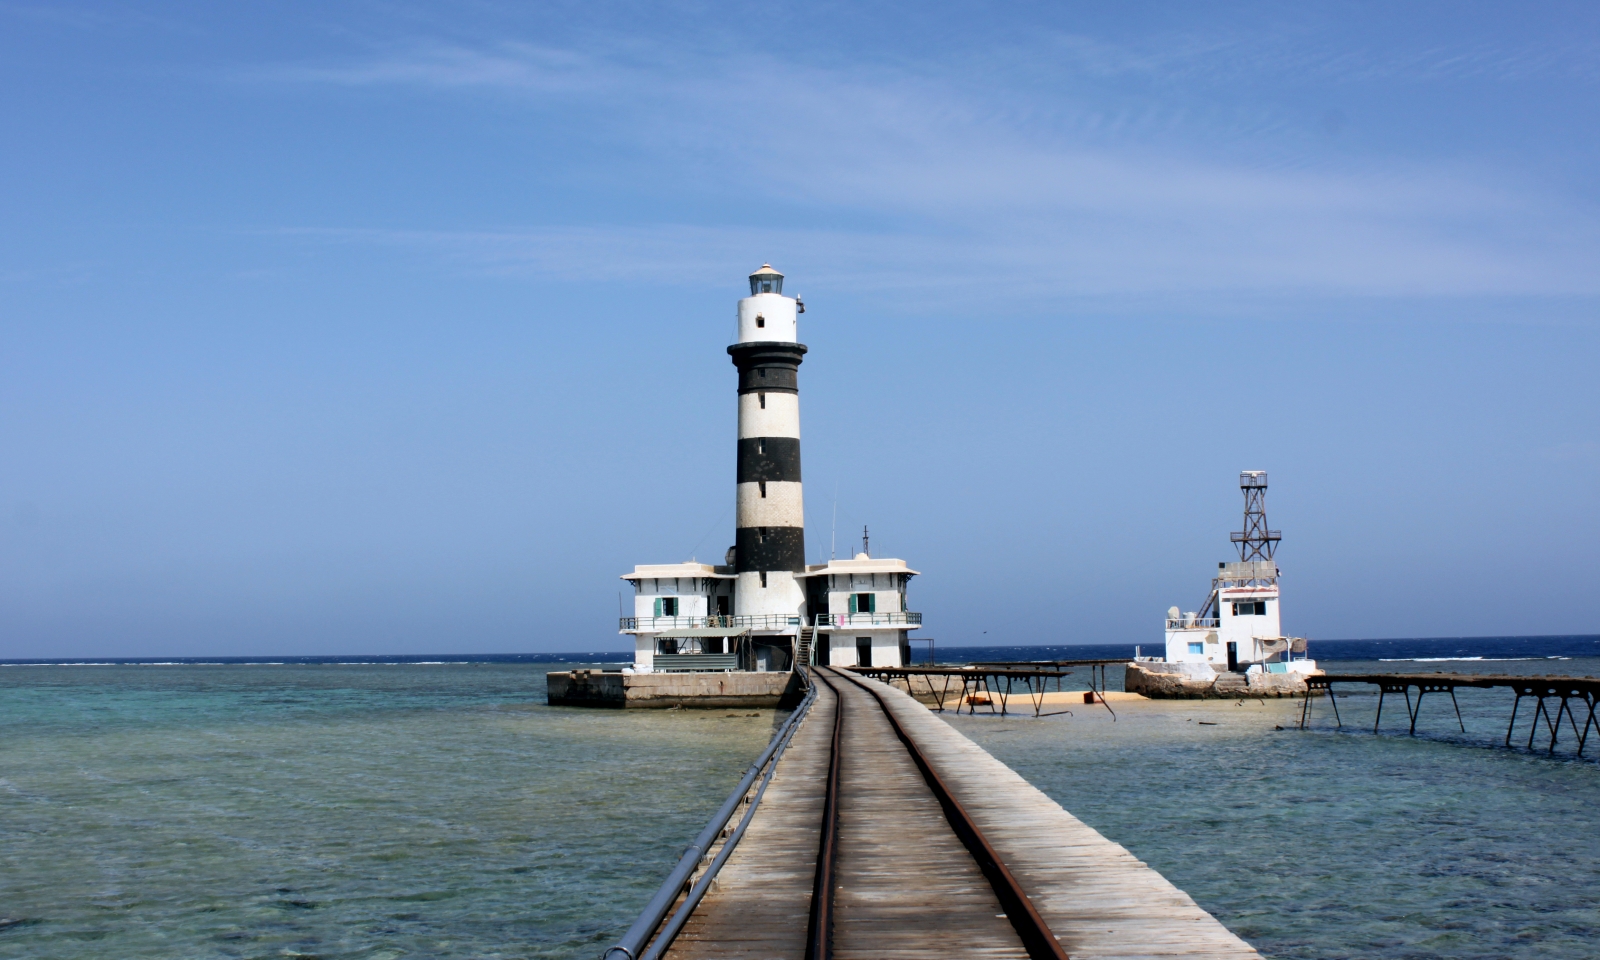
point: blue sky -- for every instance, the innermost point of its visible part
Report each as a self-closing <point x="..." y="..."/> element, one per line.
<point x="394" y="327"/>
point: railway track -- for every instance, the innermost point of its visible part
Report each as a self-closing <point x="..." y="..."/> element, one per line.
<point x="891" y="879"/>
<point x="864" y="850"/>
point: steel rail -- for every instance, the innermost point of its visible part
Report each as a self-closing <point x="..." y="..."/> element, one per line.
<point x="640" y="933"/>
<point x="819" y="924"/>
<point x="1031" y="928"/>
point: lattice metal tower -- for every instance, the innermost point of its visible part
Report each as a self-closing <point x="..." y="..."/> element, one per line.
<point x="1255" y="541"/>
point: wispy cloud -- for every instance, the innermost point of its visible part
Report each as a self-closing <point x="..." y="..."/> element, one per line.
<point x="521" y="67"/>
<point x="984" y="186"/>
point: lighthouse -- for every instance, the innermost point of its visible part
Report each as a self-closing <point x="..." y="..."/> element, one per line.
<point x="763" y="610"/>
<point x="770" y="541"/>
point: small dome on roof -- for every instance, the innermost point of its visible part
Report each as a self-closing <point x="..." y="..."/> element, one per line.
<point x="862" y="556"/>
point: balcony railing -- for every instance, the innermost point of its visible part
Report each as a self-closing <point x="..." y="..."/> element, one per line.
<point x="768" y="621"/>
<point x="904" y="618"/>
<point x="696" y="662"/>
<point x="715" y="621"/>
<point x="1198" y="623"/>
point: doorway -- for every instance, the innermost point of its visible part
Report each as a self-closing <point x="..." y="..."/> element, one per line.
<point x="1233" y="657"/>
<point x="863" y="651"/>
<point x="823" y="654"/>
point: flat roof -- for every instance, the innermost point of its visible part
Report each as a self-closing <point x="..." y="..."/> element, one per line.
<point x="858" y="565"/>
<point x="664" y="571"/>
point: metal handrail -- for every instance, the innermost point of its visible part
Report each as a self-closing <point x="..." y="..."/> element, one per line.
<point x="770" y="621"/>
<point x="1198" y="623"/>
<point x="867" y="619"/>
<point x="774" y="621"/>
<point x="655" y="911"/>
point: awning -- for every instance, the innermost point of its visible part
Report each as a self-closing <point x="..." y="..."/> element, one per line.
<point x="705" y="632"/>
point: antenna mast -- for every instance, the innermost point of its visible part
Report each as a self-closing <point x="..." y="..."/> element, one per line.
<point x="865" y="541"/>
<point x="1255" y="541"/>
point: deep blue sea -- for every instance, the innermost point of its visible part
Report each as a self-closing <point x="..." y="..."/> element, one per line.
<point x="1428" y="648"/>
<point x="365" y="807"/>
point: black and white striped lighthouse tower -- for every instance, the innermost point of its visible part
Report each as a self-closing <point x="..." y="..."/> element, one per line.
<point x="764" y="609"/>
<point x="770" y="544"/>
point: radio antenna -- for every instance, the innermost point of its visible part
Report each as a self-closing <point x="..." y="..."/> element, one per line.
<point x="833" y="536"/>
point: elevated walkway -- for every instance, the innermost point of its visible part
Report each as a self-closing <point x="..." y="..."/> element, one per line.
<point x="906" y="872"/>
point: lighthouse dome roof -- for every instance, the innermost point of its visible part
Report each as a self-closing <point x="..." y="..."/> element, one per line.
<point x="766" y="280"/>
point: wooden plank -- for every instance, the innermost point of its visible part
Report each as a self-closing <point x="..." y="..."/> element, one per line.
<point x="907" y="887"/>
<point x="1099" y="900"/>
<point x="758" y="906"/>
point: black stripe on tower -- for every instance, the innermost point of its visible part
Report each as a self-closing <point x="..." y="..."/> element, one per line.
<point x="769" y="459"/>
<point x="768" y="366"/>
<point x="769" y="548"/>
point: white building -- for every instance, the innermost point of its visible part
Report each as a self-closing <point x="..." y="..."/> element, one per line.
<point x="765" y="608"/>
<point x="1239" y="627"/>
<point x="865" y="620"/>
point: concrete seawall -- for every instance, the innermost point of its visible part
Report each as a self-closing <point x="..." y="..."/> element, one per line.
<point x="593" y="688"/>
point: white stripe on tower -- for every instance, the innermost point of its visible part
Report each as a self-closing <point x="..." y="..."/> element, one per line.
<point x="770" y="545"/>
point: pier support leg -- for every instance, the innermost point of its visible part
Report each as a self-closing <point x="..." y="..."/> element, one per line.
<point x="1583" y="738"/>
<point x="1512" y="725"/>
<point x="1555" y="731"/>
<point x="1379" y="718"/>
<point x="1572" y="715"/>
<point x="1338" y="722"/>
<point x="1458" y="710"/>
<point x="1537" y="713"/>
<point x="1416" y="711"/>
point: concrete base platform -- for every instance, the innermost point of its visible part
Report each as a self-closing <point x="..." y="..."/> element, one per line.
<point x="593" y="688"/>
<point x="1197" y="681"/>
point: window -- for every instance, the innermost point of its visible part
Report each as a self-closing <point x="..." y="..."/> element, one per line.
<point x="763" y="398"/>
<point x="863" y="603"/>
<point x="763" y="578"/>
<point x="760" y="320"/>
<point x="667" y="646"/>
<point x="1196" y="646"/>
<point x="1250" y="608"/>
<point x="761" y="445"/>
<point x="763" y="485"/>
<point x="666" y="606"/>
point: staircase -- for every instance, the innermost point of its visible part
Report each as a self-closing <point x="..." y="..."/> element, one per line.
<point x="802" y="646"/>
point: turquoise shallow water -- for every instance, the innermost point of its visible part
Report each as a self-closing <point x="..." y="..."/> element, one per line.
<point x="1327" y="844"/>
<point x="356" y="811"/>
<point x="444" y="811"/>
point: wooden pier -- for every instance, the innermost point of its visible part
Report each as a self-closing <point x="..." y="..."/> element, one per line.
<point x="1571" y="696"/>
<point x="883" y="833"/>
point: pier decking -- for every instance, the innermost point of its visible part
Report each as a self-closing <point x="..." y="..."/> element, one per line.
<point x="940" y="850"/>
<point x="1572" y="695"/>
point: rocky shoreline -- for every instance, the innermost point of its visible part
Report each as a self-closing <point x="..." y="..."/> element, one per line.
<point x="1198" y="681"/>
